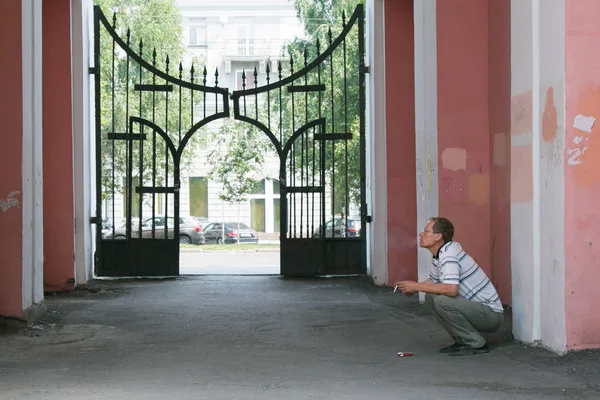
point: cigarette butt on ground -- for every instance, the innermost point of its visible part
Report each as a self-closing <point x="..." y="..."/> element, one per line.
<point x="395" y="288"/>
<point x="405" y="354"/>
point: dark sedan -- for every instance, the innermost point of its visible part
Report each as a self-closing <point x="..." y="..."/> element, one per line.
<point x="336" y="228"/>
<point x="228" y="232"/>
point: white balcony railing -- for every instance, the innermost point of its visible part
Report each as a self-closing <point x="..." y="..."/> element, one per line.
<point x="253" y="48"/>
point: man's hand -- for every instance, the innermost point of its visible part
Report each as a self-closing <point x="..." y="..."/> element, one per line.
<point x="408" y="288"/>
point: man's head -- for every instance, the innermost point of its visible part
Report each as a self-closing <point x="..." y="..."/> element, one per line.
<point x="436" y="233"/>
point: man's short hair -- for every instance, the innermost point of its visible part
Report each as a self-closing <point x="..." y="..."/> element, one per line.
<point x="443" y="226"/>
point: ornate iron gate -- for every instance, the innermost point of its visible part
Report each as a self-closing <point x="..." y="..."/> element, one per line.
<point x="315" y="119"/>
<point x="142" y="130"/>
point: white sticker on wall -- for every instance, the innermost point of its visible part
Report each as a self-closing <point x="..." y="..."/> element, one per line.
<point x="584" y="123"/>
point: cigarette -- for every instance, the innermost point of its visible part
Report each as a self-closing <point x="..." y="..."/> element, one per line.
<point x="395" y="288"/>
<point x="405" y="354"/>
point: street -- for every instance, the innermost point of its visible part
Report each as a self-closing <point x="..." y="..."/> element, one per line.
<point x="229" y="263"/>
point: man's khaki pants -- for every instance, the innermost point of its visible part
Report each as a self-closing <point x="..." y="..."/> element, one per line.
<point x="464" y="319"/>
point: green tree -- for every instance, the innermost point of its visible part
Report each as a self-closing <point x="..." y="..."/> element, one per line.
<point x="153" y="30"/>
<point x="323" y="21"/>
<point x="237" y="158"/>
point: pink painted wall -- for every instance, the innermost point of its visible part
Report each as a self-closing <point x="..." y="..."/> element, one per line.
<point x="11" y="153"/>
<point x="58" y="161"/>
<point x="400" y="140"/>
<point x="582" y="175"/>
<point x="464" y="138"/>
<point x="499" y="31"/>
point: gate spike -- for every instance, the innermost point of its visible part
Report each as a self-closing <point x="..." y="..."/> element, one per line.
<point x="154" y="57"/>
<point x="344" y="18"/>
<point x="217" y="76"/>
<point x="268" y="71"/>
<point x="114" y="19"/>
<point x="180" y="70"/>
<point x="204" y="73"/>
<point x="279" y="68"/>
<point x="291" y="64"/>
<point x="255" y="77"/>
<point x="329" y="35"/>
<point x="167" y="64"/>
<point x="305" y="56"/>
<point x="318" y="47"/>
<point x="192" y="70"/>
<point x="243" y="79"/>
<point x="141" y="47"/>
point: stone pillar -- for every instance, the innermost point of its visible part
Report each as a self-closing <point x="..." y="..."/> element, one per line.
<point x="426" y="125"/>
<point x="400" y="140"/>
<point x="376" y="162"/>
<point x="83" y="120"/>
<point x="58" y="150"/>
<point x="11" y="157"/>
<point x="32" y="249"/>
<point x="537" y="172"/>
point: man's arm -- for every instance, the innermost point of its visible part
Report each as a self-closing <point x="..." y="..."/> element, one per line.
<point x="427" y="286"/>
<point x="446" y="289"/>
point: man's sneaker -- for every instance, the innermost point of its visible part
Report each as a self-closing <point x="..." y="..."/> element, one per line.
<point x="450" y="348"/>
<point x="465" y="350"/>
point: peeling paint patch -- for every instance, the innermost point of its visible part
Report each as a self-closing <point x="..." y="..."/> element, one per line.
<point x="454" y="159"/>
<point x="479" y="189"/>
<point x="11" y="201"/>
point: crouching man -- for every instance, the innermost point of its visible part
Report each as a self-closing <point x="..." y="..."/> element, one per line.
<point x="458" y="291"/>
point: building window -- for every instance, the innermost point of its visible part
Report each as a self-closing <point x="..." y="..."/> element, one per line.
<point x="199" y="197"/>
<point x="197" y="32"/>
<point x="257" y="214"/>
<point x="276" y="215"/>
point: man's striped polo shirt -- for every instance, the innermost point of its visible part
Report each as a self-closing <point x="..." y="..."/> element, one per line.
<point x="453" y="266"/>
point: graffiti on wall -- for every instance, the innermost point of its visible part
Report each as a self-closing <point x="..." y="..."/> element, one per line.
<point x="584" y="124"/>
<point x="10" y="201"/>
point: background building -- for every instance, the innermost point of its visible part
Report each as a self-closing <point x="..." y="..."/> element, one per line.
<point x="233" y="36"/>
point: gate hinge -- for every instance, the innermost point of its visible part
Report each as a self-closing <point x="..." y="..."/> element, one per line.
<point x="365" y="69"/>
<point x="92" y="70"/>
<point x="94" y="220"/>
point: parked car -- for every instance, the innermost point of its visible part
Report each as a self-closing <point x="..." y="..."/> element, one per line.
<point x="190" y="231"/>
<point x="336" y="228"/>
<point x="201" y="221"/>
<point x="227" y="232"/>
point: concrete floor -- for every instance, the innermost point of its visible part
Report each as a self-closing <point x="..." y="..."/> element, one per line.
<point x="266" y="337"/>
